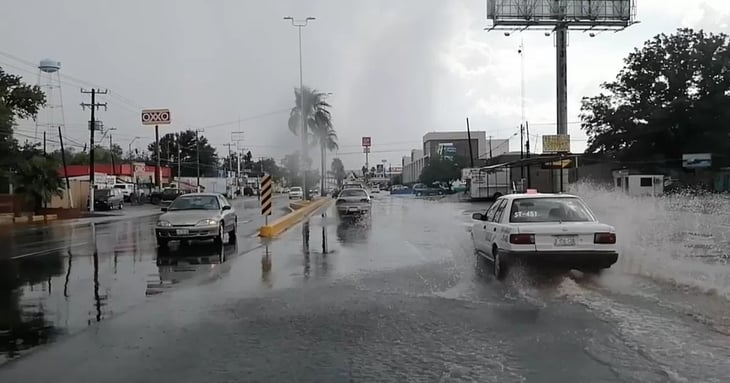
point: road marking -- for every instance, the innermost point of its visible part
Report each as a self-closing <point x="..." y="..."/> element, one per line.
<point x="49" y="250"/>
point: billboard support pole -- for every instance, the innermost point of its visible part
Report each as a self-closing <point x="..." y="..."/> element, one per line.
<point x="468" y="136"/>
<point x="561" y="53"/>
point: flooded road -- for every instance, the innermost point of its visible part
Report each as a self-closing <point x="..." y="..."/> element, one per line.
<point x="60" y="279"/>
<point x="399" y="296"/>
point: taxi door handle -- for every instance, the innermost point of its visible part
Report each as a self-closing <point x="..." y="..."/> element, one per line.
<point x="485" y="227"/>
<point x="495" y="229"/>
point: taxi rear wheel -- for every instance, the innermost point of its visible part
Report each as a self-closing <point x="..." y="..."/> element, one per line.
<point x="499" y="266"/>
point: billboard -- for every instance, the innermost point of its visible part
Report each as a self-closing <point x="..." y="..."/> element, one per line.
<point x="697" y="160"/>
<point x="552" y="12"/>
<point x="366" y="142"/>
<point x="447" y="151"/>
<point x="155" y="116"/>
<point x="556" y="143"/>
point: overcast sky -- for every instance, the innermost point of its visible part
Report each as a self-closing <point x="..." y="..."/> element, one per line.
<point x="397" y="69"/>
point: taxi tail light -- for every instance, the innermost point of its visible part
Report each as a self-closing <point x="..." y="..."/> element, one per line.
<point x="339" y="201"/>
<point x="364" y="200"/>
<point x="522" y="239"/>
<point x="604" y="238"/>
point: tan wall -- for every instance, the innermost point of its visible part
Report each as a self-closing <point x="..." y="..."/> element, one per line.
<point x="79" y="193"/>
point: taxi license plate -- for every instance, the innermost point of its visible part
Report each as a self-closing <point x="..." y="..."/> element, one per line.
<point x="353" y="209"/>
<point x="182" y="231"/>
<point x="565" y="241"/>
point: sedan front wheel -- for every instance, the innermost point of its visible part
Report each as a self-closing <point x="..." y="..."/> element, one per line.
<point x="219" y="238"/>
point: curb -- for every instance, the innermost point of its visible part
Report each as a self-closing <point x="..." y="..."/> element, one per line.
<point x="282" y="224"/>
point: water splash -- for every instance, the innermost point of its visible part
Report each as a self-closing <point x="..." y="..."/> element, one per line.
<point x="682" y="239"/>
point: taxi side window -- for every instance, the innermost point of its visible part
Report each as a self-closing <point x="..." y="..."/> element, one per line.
<point x="489" y="215"/>
<point x="498" y="212"/>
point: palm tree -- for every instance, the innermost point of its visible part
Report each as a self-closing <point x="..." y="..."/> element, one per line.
<point x="338" y="171"/>
<point x="318" y="121"/>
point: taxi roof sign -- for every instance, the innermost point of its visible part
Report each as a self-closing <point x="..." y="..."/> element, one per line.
<point x="531" y="191"/>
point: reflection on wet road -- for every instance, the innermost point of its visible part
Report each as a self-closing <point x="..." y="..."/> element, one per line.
<point x="59" y="279"/>
<point x="397" y="296"/>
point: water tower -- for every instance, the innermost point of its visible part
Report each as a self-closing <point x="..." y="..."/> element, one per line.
<point x="51" y="116"/>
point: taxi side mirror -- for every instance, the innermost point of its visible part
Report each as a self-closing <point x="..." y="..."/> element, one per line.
<point x="478" y="216"/>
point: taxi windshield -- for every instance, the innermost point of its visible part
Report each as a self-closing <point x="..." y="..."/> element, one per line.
<point x="559" y="209"/>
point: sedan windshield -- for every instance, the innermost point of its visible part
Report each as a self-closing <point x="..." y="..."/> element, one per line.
<point x="195" y="203"/>
<point x="549" y="210"/>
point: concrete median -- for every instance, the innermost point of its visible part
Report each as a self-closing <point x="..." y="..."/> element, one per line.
<point x="282" y="224"/>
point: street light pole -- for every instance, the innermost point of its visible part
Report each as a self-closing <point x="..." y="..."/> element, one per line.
<point x="130" y="145"/>
<point x="299" y="24"/>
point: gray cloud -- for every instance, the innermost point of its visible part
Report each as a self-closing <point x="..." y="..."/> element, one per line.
<point x="397" y="69"/>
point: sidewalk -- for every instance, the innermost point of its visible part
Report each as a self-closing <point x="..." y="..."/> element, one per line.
<point x="129" y="212"/>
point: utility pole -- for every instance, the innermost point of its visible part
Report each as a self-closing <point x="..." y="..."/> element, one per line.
<point x="230" y="156"/>
<point x="468" y="136"/>
<point x="490" y="147"/>
<point x="299" y="24"/>
<point x="111" y="154"/>
<point x="527" y="147"/>
<point x="65" y="170"/>
<point x="44" y="143"/>
<point x="238" y="154"/>
<point x="522" y="151"/>
<point x="92" y="127"/>
<point x="197" y="156"/>
<point x="179" y="160"/>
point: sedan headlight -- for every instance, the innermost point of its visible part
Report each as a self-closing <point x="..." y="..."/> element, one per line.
<point x="206" y="222"/>
<point x="164" y="223"/>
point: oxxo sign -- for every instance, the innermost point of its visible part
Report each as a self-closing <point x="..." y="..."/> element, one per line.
<point x="366" y="142"/>
<point x="155" y="116"/>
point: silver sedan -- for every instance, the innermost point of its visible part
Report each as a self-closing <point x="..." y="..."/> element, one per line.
<point x="197" y="216"/>
<point x="353" y="202"/>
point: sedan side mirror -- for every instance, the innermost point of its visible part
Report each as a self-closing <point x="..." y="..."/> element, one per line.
<point x="226" y="207"/>
<point x="478" y="216"/>
<point x="164" y="209"/>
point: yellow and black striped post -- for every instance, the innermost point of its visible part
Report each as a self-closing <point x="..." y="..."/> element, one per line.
<point x="267" y="188"/>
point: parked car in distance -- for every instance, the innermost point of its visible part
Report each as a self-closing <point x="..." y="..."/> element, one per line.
<point x="108" y="199"/>
<point x="400" y="189"/>
<point x="353" y="202"/>
<point x="375" y="189"/>
<point x="296" y="192"/>
<point x="423" y="190"/>
<point x="197" y="216"/>
<point x="546" y="230"/>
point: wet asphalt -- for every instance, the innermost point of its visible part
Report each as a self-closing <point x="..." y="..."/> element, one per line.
<point x="397" y="297"/>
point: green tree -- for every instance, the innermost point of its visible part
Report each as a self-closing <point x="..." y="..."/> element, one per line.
<point x="36" y="176"/>
<point x="441" y="170"/>
<point x="268" y="166"/>
<point x="338" y="171"/>
<point x="291" y="169"/>
<point x="188" y="145"/>
<point x="671" y="97"/>
<point x="17" y="100"/>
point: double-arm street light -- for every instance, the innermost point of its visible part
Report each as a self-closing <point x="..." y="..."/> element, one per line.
<point x="299" y="24"/>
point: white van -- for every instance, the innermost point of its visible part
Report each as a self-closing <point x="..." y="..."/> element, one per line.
<point x="127" y="190"/>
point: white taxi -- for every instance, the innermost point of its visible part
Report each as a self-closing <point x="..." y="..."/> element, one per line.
<point x="551" y="230"/>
